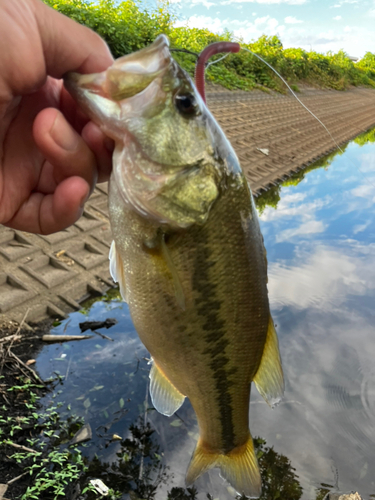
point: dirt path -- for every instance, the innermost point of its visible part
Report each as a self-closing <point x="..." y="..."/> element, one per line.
<point x="47" y="276"/>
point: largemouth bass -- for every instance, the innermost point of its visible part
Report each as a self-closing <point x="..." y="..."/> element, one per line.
<point x="188" y="254"/>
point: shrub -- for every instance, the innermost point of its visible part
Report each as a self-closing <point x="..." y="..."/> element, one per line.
<point x="127" y="27"/>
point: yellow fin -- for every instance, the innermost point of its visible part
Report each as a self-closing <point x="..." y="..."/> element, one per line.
<point x="269" y="379"/>
<point x="180" y="296"/>
<point x="164" y="395"/>
<point x="116" y="269"/>
<point x="239" y="467"/>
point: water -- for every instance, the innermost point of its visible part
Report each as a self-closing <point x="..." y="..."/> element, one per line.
<point x="321" y="248"/>
<point x="321" y="252"/>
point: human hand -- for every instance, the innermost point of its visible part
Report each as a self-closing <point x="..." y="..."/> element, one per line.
<point x="51" y="156"/>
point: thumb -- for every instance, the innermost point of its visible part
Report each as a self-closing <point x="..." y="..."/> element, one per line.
<point x="69" y="46"/>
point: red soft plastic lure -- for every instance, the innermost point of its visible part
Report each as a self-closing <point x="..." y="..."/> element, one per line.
<point x="209" y="51"/>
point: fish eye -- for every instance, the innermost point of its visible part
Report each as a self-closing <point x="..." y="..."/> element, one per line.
<point x="186" y="104"/>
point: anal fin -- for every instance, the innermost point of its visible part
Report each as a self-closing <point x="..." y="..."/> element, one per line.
<point x="269" y="379"/>
<point x="116" y="269"/>
<point x="164" y="395"/>
<point x="239" y="467"/>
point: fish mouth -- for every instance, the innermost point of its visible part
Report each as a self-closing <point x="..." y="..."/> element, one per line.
<point x="137" y="87"/>
<point x="128" y="76"/>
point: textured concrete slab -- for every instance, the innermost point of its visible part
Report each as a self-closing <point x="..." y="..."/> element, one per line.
<point x="273" y="135"/>
<point x="49" y="276"/>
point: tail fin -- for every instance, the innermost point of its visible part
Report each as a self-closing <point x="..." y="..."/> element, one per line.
<point x="239" y="467"/>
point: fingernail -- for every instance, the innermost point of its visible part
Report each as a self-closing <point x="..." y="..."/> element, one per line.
<point x="64" y="135"/>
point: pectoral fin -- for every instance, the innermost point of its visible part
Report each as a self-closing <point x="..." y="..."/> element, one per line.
<point x="269" y="379"/>
<point x="164" y="395"/>
<point x="116" y="269"/>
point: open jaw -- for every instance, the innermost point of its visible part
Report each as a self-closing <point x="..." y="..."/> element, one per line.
<point x="104" y="96"/>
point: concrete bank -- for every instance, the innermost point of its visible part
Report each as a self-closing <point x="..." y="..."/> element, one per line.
<point x="273" y="135"/>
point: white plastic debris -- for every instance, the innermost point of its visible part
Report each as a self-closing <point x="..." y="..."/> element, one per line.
<point x="100" y="487"/>
<point x="265" y="151"/>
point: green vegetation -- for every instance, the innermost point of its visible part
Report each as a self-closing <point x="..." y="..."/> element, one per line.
<point x="279" y="479"/>
<point x="365" y="138"/>
<point x="50" y="465"/>
<point x="271" y="197"/>
<point x="36" y="446"/>
<point x="127" y="26"/>
<point x="322" y="492"/>
<point x="111" y="295"/>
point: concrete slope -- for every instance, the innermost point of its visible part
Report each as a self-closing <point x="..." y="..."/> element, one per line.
<point x="273" y="135"/>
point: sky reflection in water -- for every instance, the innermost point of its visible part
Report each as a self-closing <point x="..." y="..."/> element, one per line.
<point x="321" y="252"/>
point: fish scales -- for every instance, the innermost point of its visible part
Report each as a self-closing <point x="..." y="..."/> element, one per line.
<point x="188" y="254"/>
<point x="213" y="266"/>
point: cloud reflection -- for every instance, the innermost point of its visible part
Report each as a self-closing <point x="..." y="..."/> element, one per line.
<point x="364" y="191"/>
<point x="321" y="247"/>
<point x="310" y="227"/>
<point x="323" y="277"/>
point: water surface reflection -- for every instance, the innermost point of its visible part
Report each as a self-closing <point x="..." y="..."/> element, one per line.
<point x="134" y="449"/>
<point x="321" y="251"/>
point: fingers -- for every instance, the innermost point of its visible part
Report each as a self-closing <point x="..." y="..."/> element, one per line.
<point x="67" y="177"/>
<point x="102" y="147"/>
<point x="63" y="148"/>
<point x="37" y="41"/>
<point x="67" y="45"/>
<point x="45" y="214"/>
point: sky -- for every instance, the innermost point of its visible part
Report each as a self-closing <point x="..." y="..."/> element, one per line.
<point x="319" y="25"/>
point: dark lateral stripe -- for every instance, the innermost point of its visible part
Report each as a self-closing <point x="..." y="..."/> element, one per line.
<point x="223" y="385"/>
<point x="216" y="348"/>
<point x="209" y="305"/>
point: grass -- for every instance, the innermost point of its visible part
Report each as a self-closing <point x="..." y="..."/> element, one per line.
<point x="43" y="455"/>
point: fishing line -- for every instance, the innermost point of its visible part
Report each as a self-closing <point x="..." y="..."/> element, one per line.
<point x="311" y="113"/>
<point x="233" y="47"/>
<point x="207" y="64"/>
<point x="295" y="95"/>
<point x="217" y="60"/>
<point x="186" y="51"/>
